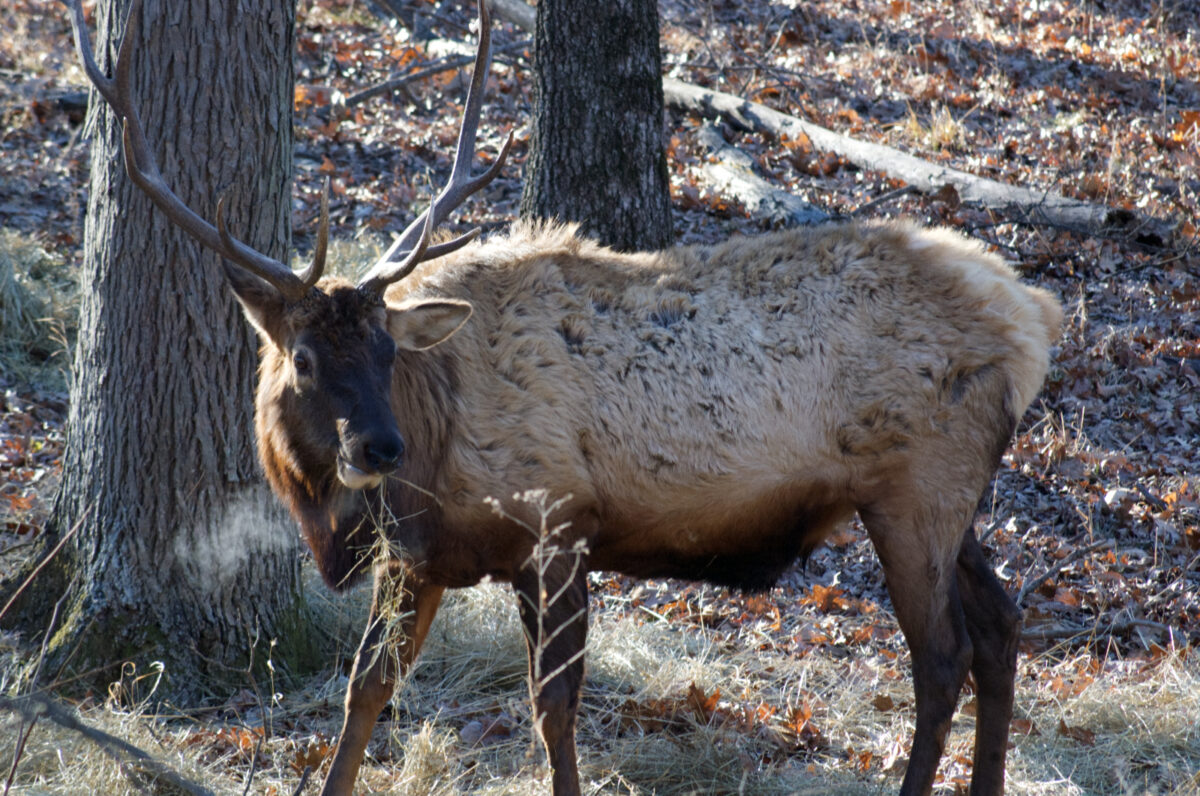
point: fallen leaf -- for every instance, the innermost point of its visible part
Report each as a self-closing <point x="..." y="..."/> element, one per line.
<point x="1024" y="727"/>
<point x="1083" y="736"/>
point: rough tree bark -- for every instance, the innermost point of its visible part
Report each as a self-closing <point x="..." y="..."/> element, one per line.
<point x="597" y="154"/>
<point x="178" y="553"/>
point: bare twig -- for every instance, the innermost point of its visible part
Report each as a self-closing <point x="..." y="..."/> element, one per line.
<point x="399" y="81"/>
<point x="887" y="197"/>
<point x="1157" y="503"/>
<point x="1075" y="555"/>
<point x="32" y="684"/>
<point x="1062" y="631"/>
<point x="37" y="672"/>
<point x="49" y="557"/>
<point x="36" y="706"/>
<point x="549" y="550"/>
<point x="300" y="786"/>
<point x="253" y="765"/>
<point x="18" y="752"/>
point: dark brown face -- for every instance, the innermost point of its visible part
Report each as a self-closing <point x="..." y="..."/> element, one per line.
<point x="324" y="395"/>
<point x="338" y="388"/>
<point x="323" y="407"/>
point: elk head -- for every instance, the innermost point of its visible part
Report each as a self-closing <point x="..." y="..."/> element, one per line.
<point x="324" y="402"/>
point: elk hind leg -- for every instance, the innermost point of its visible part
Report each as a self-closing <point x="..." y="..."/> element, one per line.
<point x="918" y="556"/>
<point x="402" y="609"/>
<point x="994" y="625"/>
<point x="553" y="604"/>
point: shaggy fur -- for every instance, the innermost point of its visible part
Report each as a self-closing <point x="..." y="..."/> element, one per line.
<point x="712" y="412"/>
<point x="729" y="401"/>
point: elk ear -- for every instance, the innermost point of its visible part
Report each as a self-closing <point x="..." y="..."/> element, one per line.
<point x="423" y="324"/>
<point x="261" y="302"/>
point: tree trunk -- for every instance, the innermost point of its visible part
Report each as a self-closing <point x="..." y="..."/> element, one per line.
<point x="596" y="154"/>
<point x="178" y="552"/>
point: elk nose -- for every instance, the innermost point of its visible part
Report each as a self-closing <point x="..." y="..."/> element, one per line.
<point x="383" y="453"/>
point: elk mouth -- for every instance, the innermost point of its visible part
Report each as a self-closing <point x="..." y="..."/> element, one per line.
<point x="355" y="478"/>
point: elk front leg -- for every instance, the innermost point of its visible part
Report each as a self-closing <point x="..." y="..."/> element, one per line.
<point x="402" y="608"/>
<point x="553" y="600"/>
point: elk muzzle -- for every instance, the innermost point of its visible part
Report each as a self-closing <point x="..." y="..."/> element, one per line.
<point x="364" y="458"/>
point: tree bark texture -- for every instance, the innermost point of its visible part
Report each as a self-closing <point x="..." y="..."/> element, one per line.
<point x="596" y="154"/>
<point x="179" y="554"/>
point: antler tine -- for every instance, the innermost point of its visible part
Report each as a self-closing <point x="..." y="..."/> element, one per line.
<point x="423" y="251"/>
<point x="410" y="261"/>
<point x="460" y="185"/>
<point x="311" y="274"/>
<point x="143" y="168"/>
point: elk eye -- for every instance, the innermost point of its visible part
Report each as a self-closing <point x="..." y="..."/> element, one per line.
<point x="301" y="364"/>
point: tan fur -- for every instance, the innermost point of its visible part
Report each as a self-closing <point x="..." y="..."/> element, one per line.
<point x="712" y="412"/>
<point x="677" y="388"/>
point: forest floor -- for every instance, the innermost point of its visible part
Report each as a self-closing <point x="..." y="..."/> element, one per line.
<point x="1094" y="519"/>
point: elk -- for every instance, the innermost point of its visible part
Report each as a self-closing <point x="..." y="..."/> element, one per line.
<point x="702" y="412"/>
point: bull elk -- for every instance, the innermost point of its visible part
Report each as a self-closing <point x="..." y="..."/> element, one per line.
<point x="711" y="412"/>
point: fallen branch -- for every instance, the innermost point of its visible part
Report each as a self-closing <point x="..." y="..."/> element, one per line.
<point x="36" y="706"/>
<point x="734" y="173"/>
<point x="1060" y="565"/>
<point x="1062" y="630"/>
<point x="49" y="556"/>
<point x="1028" y="206"/>
<point x="862" y="210"/>
<point x="399" y="81"/>
<point x="1022" y="204"/>
<point x="303" y="783"/>
<point x="519" y="13"/>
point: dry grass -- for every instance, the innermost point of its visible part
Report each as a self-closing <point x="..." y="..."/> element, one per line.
<point x="462" y="722"/>
<point x="941" y="130"/>
<point x="38" y="307"/>
<point x="347" y="258"/>
<point x="1131" y="726"/>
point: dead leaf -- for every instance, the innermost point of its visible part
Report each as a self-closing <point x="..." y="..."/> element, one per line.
<point x="703" y="706"/>
<point x="948" y="195"/>
<point x="312" y="755"/>
<point x="1083" y="736"/>
<point x="1024" y="727"/>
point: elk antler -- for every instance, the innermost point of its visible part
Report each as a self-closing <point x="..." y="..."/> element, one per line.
<point x="144" y="171"/>
<point x="413" y="244"/>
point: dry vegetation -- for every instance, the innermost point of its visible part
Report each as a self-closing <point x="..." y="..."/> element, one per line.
<point x="1094" y="521"/>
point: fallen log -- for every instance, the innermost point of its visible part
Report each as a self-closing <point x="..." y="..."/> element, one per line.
<point x="1019" y="203"/>
<point x="519" y="13"/>
<point x="1026" y="205"/>
<point x="735" y="174"/>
